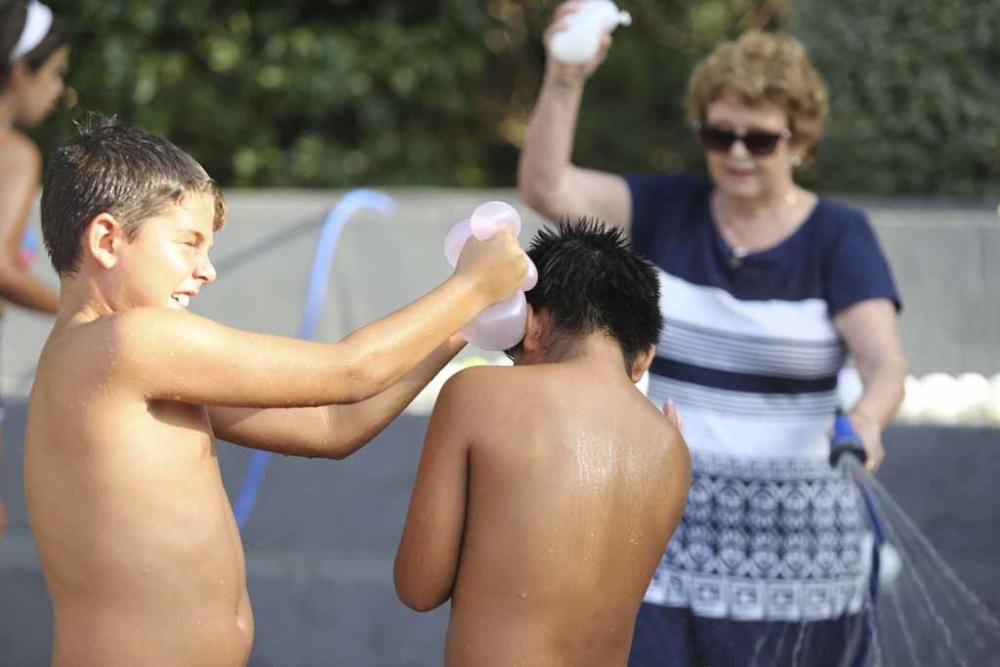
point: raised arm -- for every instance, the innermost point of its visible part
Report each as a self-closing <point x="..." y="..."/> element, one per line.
<point x="20" y="168"/>
<point x="869" y="328"/>
<point x="427" y="560"/>
<point x="175" y="355"/>
<point x="328" y="431"/>
<point x="546" y="178"/>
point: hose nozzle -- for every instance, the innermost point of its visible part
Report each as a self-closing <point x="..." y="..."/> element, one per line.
<point x="845" y="440"/>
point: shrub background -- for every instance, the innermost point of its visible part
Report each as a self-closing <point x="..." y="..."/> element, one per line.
<point x="340" y="93"/>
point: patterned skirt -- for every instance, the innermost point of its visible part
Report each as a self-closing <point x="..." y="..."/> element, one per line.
<point x="781" y="540"/>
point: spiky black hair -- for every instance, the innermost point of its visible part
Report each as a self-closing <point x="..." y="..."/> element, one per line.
<point x="589" y="279"/>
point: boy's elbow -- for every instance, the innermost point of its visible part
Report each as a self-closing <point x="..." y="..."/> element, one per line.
<point x="413" y="590"/>
<point x="318" y="433"/>
<point x="418" y="600"/>
<point x="331" y="453"/>
<point x="340" y="450"/>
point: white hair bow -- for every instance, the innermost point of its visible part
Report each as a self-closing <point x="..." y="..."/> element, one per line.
<point x="36" y="27"/>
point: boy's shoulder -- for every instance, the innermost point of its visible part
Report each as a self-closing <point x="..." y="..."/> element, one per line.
<point x="486" y="384"/>
<point x="477" y="377"/>
<point x="110" y="338"/>
<point x="108" y="325"/>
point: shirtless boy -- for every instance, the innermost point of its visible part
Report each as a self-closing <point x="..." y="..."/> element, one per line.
<point x="136" y="537"/>
<point x="547" y="492"/>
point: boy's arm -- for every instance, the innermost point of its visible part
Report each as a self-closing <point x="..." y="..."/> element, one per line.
<point x="427" y="560"/>
<point x="175" y="355"/>
<point x="329" y="431"/>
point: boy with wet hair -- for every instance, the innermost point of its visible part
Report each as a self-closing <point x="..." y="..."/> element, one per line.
<point x="136" y="536"/>
<point x="547" y="492"/>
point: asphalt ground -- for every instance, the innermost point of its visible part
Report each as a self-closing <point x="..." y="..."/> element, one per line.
<point x="321" y="541"/>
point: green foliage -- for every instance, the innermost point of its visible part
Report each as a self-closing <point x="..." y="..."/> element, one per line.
<point x="439" y="92"/>
<point x="292" y="93"/>
<point x="915" y="94"/>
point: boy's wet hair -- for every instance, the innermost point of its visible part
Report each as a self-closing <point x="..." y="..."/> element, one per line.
<point x="13" y="14"/>
<point x="124" y="171"/>
<point x="590" y="280"/>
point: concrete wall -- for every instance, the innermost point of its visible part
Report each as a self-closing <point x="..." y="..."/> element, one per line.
<point x="321" y="542"/>
<point x="944" y="259"/>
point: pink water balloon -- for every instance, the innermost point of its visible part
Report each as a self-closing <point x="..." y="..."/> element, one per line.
<point x="501" y="326"/>
<point x="530" y="277"/>
<point x="491" y="216"/>
<point x="455" y="240"/>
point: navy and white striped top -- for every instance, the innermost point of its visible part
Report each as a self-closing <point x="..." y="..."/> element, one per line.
<point x="749" y="352"/>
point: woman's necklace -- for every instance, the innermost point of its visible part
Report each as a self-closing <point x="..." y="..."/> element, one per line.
<point x="765" y="228"/>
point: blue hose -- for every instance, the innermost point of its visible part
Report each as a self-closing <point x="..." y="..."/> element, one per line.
<point x="846" y="441"/>
<point x="319" y="276"/>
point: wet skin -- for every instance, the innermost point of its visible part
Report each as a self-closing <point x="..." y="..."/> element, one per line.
<point x="134" y="530"/>
<point x="545" y="497"/>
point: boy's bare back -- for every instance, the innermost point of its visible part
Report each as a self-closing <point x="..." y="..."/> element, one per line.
<point x="547" y="492"/>
<point x="133" y="525"/>
<point x="575" y="483"/>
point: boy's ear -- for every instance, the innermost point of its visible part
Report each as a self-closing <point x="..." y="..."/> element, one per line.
<point x="103" y="240"/>
<point x="642" y="362"/>
<point x="533" y="334"/>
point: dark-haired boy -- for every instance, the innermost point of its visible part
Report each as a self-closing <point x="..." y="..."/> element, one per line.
<point x="136" y="536"/>
<point x="547" y="492"/>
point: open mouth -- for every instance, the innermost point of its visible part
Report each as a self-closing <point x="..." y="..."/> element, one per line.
<point x="180" y="300"/>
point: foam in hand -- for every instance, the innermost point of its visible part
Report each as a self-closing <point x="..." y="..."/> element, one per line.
<point x="501" y="326"/>
<point x="581" y="39"/>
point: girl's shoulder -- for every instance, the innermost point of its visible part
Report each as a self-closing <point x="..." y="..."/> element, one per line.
<point x="18" y="151"/>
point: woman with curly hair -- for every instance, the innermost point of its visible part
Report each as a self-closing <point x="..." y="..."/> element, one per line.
<point x="766" y="288"/>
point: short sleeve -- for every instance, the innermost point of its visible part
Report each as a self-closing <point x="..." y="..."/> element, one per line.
<point x="656" y="199"/>
<point x="858" y="269"/>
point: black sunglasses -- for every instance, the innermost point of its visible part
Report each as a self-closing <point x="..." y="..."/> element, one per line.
<point x="757" y="143"/>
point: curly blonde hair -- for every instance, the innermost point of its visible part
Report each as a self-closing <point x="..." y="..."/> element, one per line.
<point x="763" y="67"/>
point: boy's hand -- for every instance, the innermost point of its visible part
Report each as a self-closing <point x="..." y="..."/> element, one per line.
<point x="496" y="266"/>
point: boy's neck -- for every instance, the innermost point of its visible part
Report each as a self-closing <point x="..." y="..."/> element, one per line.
<point x="81" y="299"/>
<point x="596" y="350"/>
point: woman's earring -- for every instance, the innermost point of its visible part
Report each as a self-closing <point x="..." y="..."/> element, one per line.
<point x="795" y="160"/>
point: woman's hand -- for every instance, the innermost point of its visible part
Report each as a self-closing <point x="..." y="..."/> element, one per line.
<point x="566" y="73"/>
<point x="670" y="411"/>
<point x="870" y="432"/>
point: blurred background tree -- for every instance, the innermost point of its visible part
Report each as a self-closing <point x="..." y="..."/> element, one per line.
<point x="915" y="93"/>
<point x="338" y="93"/>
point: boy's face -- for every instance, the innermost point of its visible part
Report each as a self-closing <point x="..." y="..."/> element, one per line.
<point x="167" y="263"/>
